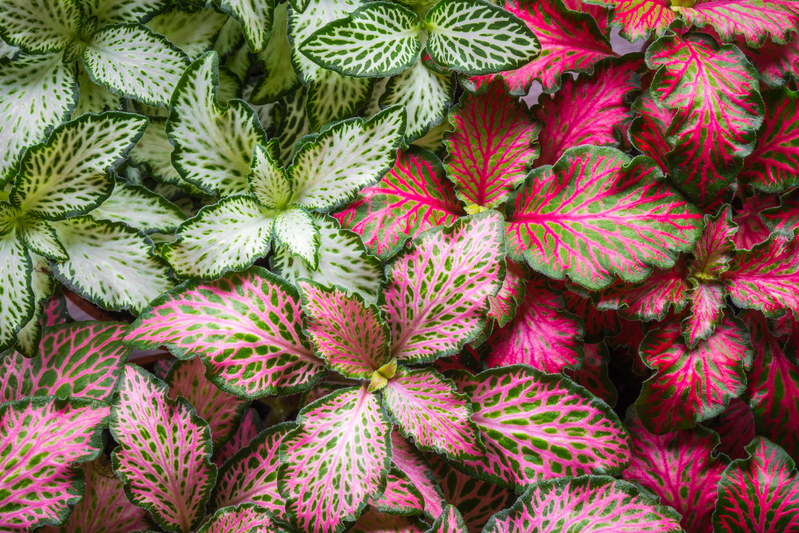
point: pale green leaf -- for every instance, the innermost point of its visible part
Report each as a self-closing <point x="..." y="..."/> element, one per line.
<point x="255" y="17"/>
<point x="268" y="180"/>
<point x="295" y="229"/>
<point x="39" y="26"/>
<point x="139" y="208"/>
<point x="39" y="237"/>
<point x="8" y="51"/>
<point x="279" y="78"/>
<point x="229" y="86"/>
<point x="373" y="104"/>
<point x="240" y="62"/>
<point x="192" y="30"/>
<point x="433" y="140"/>
<point x="229" y="39"/>
<point x="43" y="286"/>
<point x="120" y="11"/>
<point x="153" y="152"/>
<point x="94" y="98"/>
<point x="16" y="294"/>
<point x="292" y="123"/>
<point x="332" y="96"/>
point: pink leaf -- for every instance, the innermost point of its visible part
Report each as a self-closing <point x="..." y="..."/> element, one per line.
<point x="598" y="324"/>
<point x="374" y="521"/>
<point x="637" y="18"/>
<point x="598" y="13"/>
<point x="751" y="229"/>
<point x="651" y="299"/>
<point x="707" y="312"/>
<point x="400" y="496"/>
<point x="648" y="129"/>
<point x="412" y="463"/>
<point x="593" y="375"/>
<point x="753" y="19"/>
<point x="785" y="217"/>
<point x="55" y="310"/>
<point x="249" y="427"/>
<point x="239" y="519"/>
<point x="713" y="250"/>
<point x="502" y="307"/>
<point x="776" y="64"/>
<point x="450" y="521"/>
<point x="736" y="427"/>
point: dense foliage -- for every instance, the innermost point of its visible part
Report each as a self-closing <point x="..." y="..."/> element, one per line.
<point x="381" y="293"/>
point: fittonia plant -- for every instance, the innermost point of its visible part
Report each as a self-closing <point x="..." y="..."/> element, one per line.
<point x="382" y="293"/>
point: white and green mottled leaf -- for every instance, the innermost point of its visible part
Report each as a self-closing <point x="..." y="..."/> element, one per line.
<point x="39" y="92"/>
<point x="153" y="152"/>
<point x="43" y="285"/>
<point x="475" y="37"/>
<point x="110" y="264"/>
<point x="291" y="124"/>
<point x="268" y="180"/>
<point x="67" y="175"/>
<point x="40" y="238"/>
<point x="332" y="96"/>
<point x="16" y="294"/>
<point x="279" y="78"/>
<point x="254" y="16"/>
<point x="120" y="11"/>
<point x="134" y="62"/>
<point x="139" y="208"/>
<point x="229" y="39"/>
<point x="39" y="26"/>
<point x="213" y="144"/>
<point x="192" y="30"/>
<point x="296" y="230"/>
<point x="378" y="39"/>
<point x="8" y="51"/>
<point x="229" y="235"/>
<point x="94" y="98"/>
<point x="240" y="63"/>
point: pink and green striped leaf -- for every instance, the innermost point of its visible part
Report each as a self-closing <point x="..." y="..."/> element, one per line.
<point x="249" y="427"/>
<point x="680" y="468"/>
<point x="413" y="197"/>
<point x="636" y="19"/>
<point x="736" y="428"/>
<point x="570" y="42"/>
<point x="436" y="298"/>
<point x="222" y="411"/>
<point x="597" y="213"/>
<point x="81" y="359"/>
<point x="754" y="20"/>
<point x="598" y="323"/>
<point x="55" y="311"/>
<point x="692" y="385"/>
<point x="346" y="332"/>
<point x="648" y="129"/>
<point x="240" y="518"/>
<point x="502" y="307"/>
<point x="718" y="110"/>
<point x="707" y="311"/>
<point x="713" y="250"/>
<point x="589" y="504"/>
<point x="400" y="496"/>
<point x="751" y="229"/>
<point x="759" y="492"/>
<point x="374" y="521"/>
<point x="651" y="299"/>
<point x="539" y="426"/>
<point x="587" y="110"/>
<point x="336" y="460"/>
<point x="246" y="327"/>
<point x="450" y="521"/>
<point x="598" y="13"/>
<point x="784" y="217"/>
<point x="164" y="451"/>
<point x="593" y="375"/>
<point x="542" y="333"/>
<point x="776" y="64"/>
<point x="41" y="441"/>
<point x="771" y="167"/>
<point x="491" y="148"/>
<point x="409" y="460"/>
<point x="427" y="407"/>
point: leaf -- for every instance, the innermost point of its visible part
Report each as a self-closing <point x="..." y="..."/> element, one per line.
<point x="17" y="299"/>
<point x="39" y="237"/>
<point x="598" y="324"/>
<point x="433" y="139"/>
<point x="192" y="30"/>
<point x="291" y="122"/>
<point x="279" y="77"/>
<point x="736" y="428"/>
<point x="503" y="306"/>
<point x="648" y="129"/>
<point x="55" y="310"/>
<point x="407" y="458"/>
<point x="227" y="236"/>
<point x="751" y="229"/>
<point x="40" y="26"/>
<point x="450" y="521"/>
<point x="246" y="517"/>
<point x="256" y="18"/>
<point x="475" y="37"/>
<point x="538" y="426"/>
<point x="332" y="96"/>
<point x="296" y="230"/>
<point x="587" y="110"/>
<point x="164" y="451"/>
<point x="590" y="503"/>
<point x="597" y="213"/>
<point x="650" y="299"/>
<point x="263" y="351"/>
<point x="249" y="427"/>
<point x="771" y="166"/>
<point x="718" y="110"/>
<point x="40" y="94"/>
<point x="427" y="407"/>
<point x="94" y="98"/>
<point x="593" y="375"/>
<point x="680" y="468"/>
<point x="134" y="62"/>
<point x="775" y="63"/>
<point x="213" y="144"/>
<point x="66" y="176"/>
<point x="638" y="18"/>
<point x="413" y="197"/>
<point x="759" y="492"/>
<point x="373" y="521"/>
<point x="464" y="262"/>
<point x="751" y="19"/>
<point x="42" y="440"/>
<point x="42" y="285"/>
<point x="116" y="11"/>
<point x="154" y="153"/>
<point x="335" y="460"/>
<point x="250" y="476"/>
<point x="542" y="334"/>
<point x="110" y="264"/>
<point x="139" y="208"/>
<point x="375" y="40"/>
<point x="785" y="217"/>
<point x="400" y="497"/>
<point x="491" y="148"/>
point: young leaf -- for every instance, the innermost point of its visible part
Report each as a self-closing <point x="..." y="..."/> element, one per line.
<point x="40" y="238"/>
<point x="596" y="213"/>
<point x="263" y="351"/>
<point x="408" y="460"/>
<point x="256" y="18"/>
<point x="295" y="229"/>
<point x="42" y="439"/>
<point x="748" y="18"/>
<point x="164" y="451"/>
<point x="279" y="78"/>
<point x="464" y="262"/>
<point x="475" y="37"/>
<point x="491" y="148"/>
<point x="40" y="26"/>
<point x="335" y="460"/>
<point x="650" y="299"/>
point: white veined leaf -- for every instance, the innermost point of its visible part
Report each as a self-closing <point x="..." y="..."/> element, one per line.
<point x="295" y="229"/>
<point x="343" y="261"/>
<point x="16" y="294"/>
<point x="39" y="26"/>
<point x="229" y="39"/>
<point x="134" y="62"/>
<point x="268" y="180"/>
<point x="120" y="11"/>
<point x="223" y="237"/>
<point x="378" y="39"/>
<point x="39" y="92"/>
<point x="329" y="170"/>
<point x="94" y="98"/>
<point x="372" y="106"/>
<point x="110" y="264"/>
<point x="139" y="208"/>
<point x="39" y="237"/>
<point x="43" y="286"/>
<point x="8" y="51"/>
<point x="292" y="124"/>
<point x="67" y="175"/>
<point x="279" y="78"/>
<point x="332" y="96"/>
<point x="153" y="152"/>
<point x="193" y="30"/>
<point x="299" y="5"/>
<point x="425" y="94"/>
<point x="255" y="17"/>
<point x="213" y="144"/>
<point x="475" y="37"/>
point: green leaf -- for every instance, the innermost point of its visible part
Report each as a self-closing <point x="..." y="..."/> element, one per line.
<point x="255" y="17"/>
<point x="475" y="37"/>
<point x="192" y="30"/>
<point x="94" y="98"/>
<point x="154" y="153"/>
<point x="16" y="293"/>
<point x="39" y="237"/>
<point x="43" y="286"/>
<point x="295" y="229"/>
<point x="292" y="123"/>
<point x="39" y="26"/>
<point x="377" y="39"/>
<point x="268" y="180"/>
<point x="332" y="96"/>
<point x="118" y="11"/>
<point x="279" y="78"/>
<point x="140" y="209"/>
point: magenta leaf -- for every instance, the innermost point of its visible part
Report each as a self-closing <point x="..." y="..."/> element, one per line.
<point x="538" y="426"/>
<point x="407" y="458"/>
<point x="542" y="334"/>
<point x="413" y="197"/>
<point x="784" y="217"/>
<point x="648" y="129"/>
<point x="598" y="323"/>
<point x="79" y="359"/>
<point x="597" y="213"/>
<point x="598" y="13"/>
<point x="55" y="311"/>
<point x="502" y="307"/>
<point x="164" y="451"/>
<point x="714" y="92"/>
<point x="241" y="518"/>
<point x="751" y="229"/>
<point x="462" y="265"/>
<point x="759" y="492"/>
<point x="593" y="375"/>
<point x="692" y="385"/>
<point x="427" y="407"/>
<point x="336" y="460"/>
<point x="246" y="327"/>
<point x="400" y="496"/>
<point x="587" y="110"/>
<point x="638" y="18"/>
<point x="491" y="148"/>
<point x="374" y="521"/>
<point x="249" y="427"/>
<point x="450" y="521"/>
<point x="776" y="64"/>
<point x="587" y="504"/>
<point x="736" y="428"/>
<point x="752" y="19"/>
<point x="651" y="299"/>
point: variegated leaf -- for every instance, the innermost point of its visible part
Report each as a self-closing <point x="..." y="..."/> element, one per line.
<point x="736" y="429"/>
<point x="40" y="26"/>
<point x="752" y="19"/>
<point x="17" y="301"/>
<point x="249" y="427"/>
<point x="255" y="17"/>
<point x="407" y="458"/>
<point x="192" y="30"/>
<point x="503" y="306"/>
<point x="785" y="217"/>
<point x="279" y="78"/>
<point x="154" y="153"/>
<point x="139" y="208"/>
<point x="450" y="521"/>
<point x="240" y="518"/>
<point x="295" y="230"/>
<point x="116" y="11"/>
<point x="94" y="98"/>
<point x="593" y="375"/>
<point x="332" y="96"/>
<point x="751" y="229"/>
<point x="636" y="19"/>
<point x="776" y="64"/>
<point x="400" y="497"/>
<point x="648" y="129"/>
<point x="650" y="299"/>
<point x="42" y="285"/>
